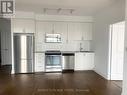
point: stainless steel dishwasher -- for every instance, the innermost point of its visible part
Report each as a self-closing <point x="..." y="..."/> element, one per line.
<point x="68" y="62"/>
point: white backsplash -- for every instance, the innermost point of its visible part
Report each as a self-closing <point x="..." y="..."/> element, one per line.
<point x="70" y="46"/>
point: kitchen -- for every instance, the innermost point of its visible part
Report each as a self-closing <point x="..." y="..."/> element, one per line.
<point x="63" y="47"/>
<point x="75" y="37"/>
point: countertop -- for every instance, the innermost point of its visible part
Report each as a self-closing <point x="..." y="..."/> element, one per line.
<point x="68" y="52"/>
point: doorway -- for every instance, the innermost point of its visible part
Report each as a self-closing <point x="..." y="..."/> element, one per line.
<point x="116" y="52"/>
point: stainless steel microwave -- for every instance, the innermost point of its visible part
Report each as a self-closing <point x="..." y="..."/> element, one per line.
<point x="53" y="38"/>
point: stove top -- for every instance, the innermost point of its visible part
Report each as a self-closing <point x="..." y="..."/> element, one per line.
<point x="53" y="52"/>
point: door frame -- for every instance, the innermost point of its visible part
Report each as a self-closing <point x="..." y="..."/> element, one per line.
<point x="110" y="50"/>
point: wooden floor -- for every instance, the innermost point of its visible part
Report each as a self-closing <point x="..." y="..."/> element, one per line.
<point x="119" y="83"/>
<point x="78" y="83"/>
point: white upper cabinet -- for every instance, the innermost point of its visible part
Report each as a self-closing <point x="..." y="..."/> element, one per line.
<point x="79" y="31"/>
<point x="87" y="31"/>
<point x="23" y="26"/>
<point x="74" y="31"/>
<point x="61" y="28"/>
<point x="41" y="29"/>
<point x="47" y="27"/>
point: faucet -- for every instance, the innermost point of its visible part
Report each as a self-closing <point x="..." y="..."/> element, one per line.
<point x="81" y="47"/>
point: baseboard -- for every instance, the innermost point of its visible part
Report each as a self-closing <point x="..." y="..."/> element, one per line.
<point x="104" y="76"/>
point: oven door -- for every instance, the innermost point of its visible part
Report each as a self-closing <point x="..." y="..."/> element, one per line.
<point x="53" y="60"/>
<point x="53" y="63"/>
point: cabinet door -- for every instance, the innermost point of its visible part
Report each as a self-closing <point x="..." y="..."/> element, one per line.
<point x="17" y="26"/>
<point x="48" y="27"/>
<point x="40" y="32"/>
<point x="74" y="31"/>
<point x="61" y="28"/>
<point x="23" y="26"/>
<point x="84" y="61"/>
<point x="42" y="28"/>
<point x="79" y="61"/>
<point x="87" y="31"/>
<point x="89" y="60"/>
<point x="39" y="62"/>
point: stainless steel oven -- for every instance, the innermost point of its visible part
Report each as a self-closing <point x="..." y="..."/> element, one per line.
<point x="53" y="61"/>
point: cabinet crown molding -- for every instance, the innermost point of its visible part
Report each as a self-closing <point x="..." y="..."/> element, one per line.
<point x="40" y="17"/>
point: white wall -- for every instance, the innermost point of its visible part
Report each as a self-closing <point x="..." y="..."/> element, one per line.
<point x="103" y="19"/>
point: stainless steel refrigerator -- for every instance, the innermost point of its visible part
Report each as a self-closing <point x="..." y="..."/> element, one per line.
<point x="23" y="53"/>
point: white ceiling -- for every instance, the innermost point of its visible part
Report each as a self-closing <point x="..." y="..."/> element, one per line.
<point x="82" y="7"/>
